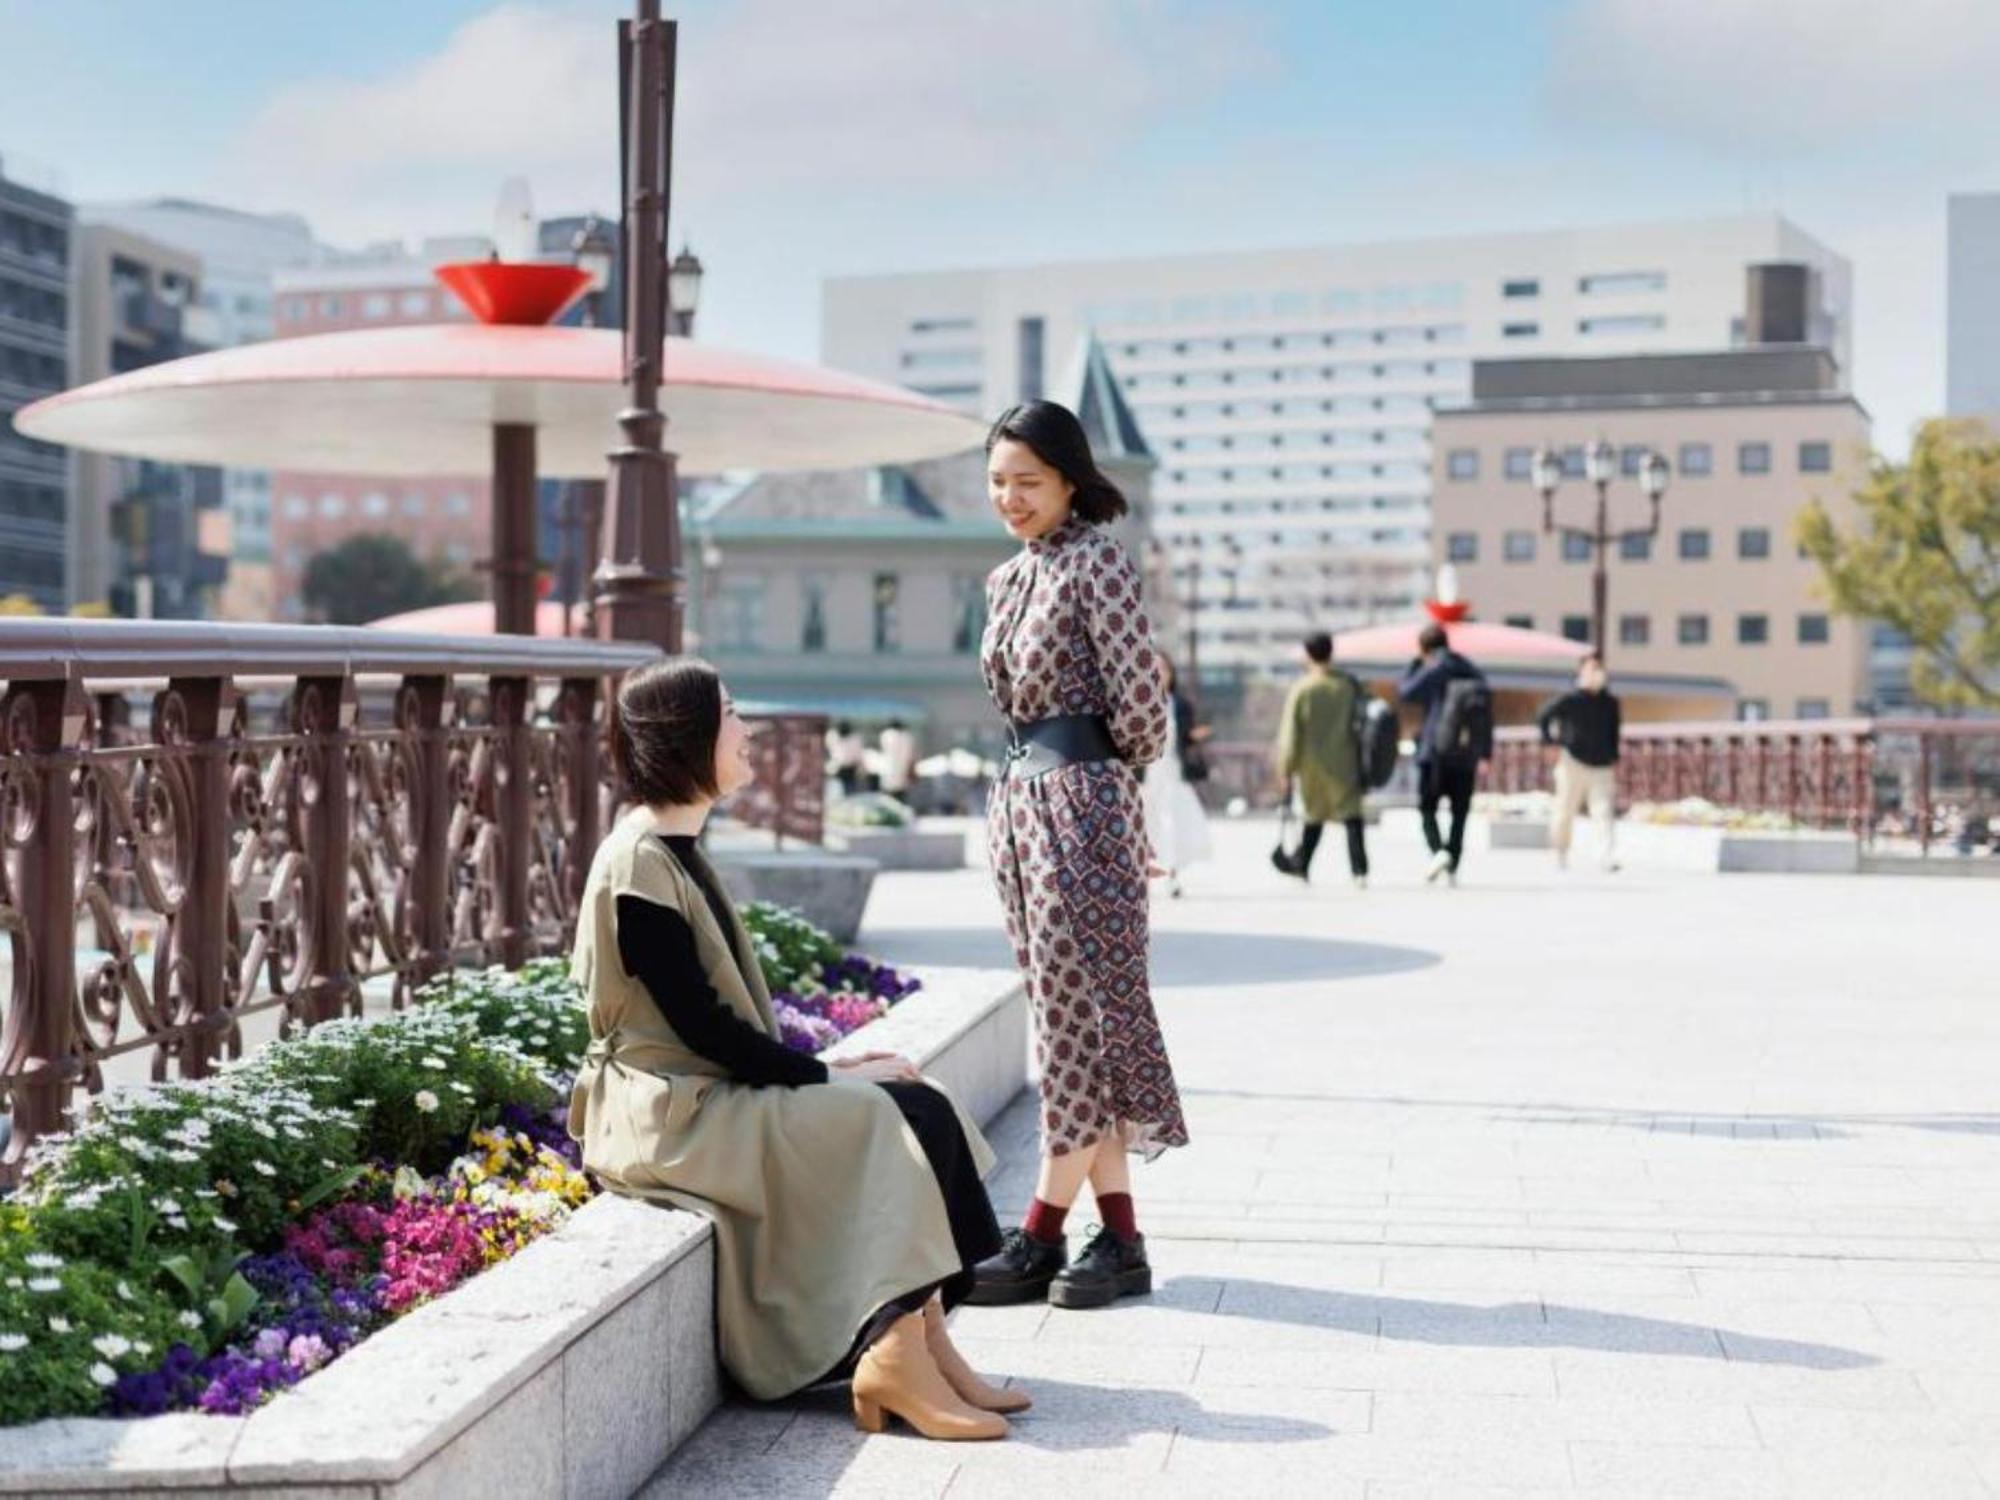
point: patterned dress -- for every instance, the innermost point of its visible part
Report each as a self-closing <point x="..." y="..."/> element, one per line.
<point x="1066" y="634"/>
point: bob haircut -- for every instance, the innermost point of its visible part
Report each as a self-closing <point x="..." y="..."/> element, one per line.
<point x="1055" y="436"/>
<point x="664" y="725"/>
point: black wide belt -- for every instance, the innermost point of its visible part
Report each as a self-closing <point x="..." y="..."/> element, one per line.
<point x="1065" y="740"/>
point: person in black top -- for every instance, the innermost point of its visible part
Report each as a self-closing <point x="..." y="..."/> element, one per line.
<point x="1441" y="778"/>
<point x="1584" y="726"/>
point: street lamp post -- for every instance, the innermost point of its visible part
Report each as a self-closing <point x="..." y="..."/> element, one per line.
<point x="594" y="251"/>
<point x="1600" y="463"/>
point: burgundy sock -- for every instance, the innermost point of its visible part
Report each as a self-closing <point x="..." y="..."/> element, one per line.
<point x="1116" y="1211"/>
<point x="1044" y="1222"/>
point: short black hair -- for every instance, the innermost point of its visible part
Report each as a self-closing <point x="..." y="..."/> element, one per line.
<point x="1588" y="657"/>
<point x="1432" y="638"/>
<point x="1319" y="646"/>
<point x="1058" y="440"/>
<point x="664" y="723"/>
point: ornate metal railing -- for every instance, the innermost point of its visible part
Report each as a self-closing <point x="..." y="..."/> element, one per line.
<point x="204" y="822"/>
<point x="788" y="797"/>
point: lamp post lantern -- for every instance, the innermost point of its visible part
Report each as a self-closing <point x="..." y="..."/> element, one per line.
<point x="1600" y="465"/>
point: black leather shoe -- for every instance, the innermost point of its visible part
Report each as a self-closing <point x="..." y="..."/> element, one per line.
<point x="1286" y="864"/>
<point x="1108" y="1268"/>
<point x="1021" y="1272"/>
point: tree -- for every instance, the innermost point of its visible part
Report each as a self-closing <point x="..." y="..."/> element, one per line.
<point x="1923" y="557"/>
<point x="373" y="574"/>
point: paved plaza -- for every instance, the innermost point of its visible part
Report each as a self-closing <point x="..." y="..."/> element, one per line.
<point x="1628" y="1185"/>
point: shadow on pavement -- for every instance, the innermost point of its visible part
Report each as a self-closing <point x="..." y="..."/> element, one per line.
<point x="1519" y="1325"/>
<point x="1179" y="958"/>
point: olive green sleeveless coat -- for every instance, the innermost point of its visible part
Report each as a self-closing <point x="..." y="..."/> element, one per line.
<point x="1319" y="745"/>
<point x="825" y="1207"/>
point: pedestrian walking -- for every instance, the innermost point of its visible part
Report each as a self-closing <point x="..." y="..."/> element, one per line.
<point x="844" y="754"/>
<point x="1068" y="659"/>
<point x="1319" y="754"/>
<point x="899" y="758"/>
<point x="847" y="1198"/>
<point x="1176" y="825"/>
<point x="1457" y="734"/>
<point x="1584" y="726"/>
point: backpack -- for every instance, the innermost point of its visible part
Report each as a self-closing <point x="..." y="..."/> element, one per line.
<point x="1465" y="722"/>
<point x="1381" y="741"/>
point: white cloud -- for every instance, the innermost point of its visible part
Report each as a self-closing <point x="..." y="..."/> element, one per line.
<point x="1787" y="75"/>
<point x="777" y="97"/>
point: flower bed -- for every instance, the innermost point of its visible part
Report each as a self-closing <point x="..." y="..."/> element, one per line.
<point x="205" y="1245"/>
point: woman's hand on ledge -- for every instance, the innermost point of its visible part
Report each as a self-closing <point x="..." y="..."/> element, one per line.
<point x="877" y="1067"/>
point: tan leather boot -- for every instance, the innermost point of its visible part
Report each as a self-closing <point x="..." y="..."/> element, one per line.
<point x="972" y="1387"/>
<point x="896" y="1376"/>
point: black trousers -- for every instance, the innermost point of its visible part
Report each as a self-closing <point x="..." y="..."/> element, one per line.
<point x="1451" y="783"/>
<point x="975" y="1232"/>
<point x="1357" y="845"/>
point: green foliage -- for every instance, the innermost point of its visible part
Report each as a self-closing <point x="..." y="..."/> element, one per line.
<point x="1924" y="558"/>
<point x="789" y="948"/>
<point x="215" y="1289"/>
<point x="374" y="574"/>
<point x="68" y="1329"/>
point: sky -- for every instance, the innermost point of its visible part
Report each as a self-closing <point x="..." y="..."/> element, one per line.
<point x="824" y="137"/>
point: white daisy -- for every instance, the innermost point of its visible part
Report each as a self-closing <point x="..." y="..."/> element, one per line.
<point x="11" y="1342"/>
<point x="103" y="1374"/>
<point x="44" y="1284"/>
<point x="426" y="1101"/>
<point x="264" y="1168"/>
<point x="111" y="1345"/>
<point x="41" y="1260"/>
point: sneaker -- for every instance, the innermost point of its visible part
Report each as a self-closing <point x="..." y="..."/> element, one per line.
<point x="1020" y="1272"/>
<point x="1361" y="882"/>
<point x="1108" y="1268"/>
<point x="1440" y="865"/>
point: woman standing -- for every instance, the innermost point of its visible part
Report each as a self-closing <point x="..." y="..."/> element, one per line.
<point x="1176" y="826"/>
<point x="847" y="1201"/>
<point x="1069" y="662"/>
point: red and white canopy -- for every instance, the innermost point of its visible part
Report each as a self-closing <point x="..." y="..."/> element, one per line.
<point x="424" y="400"/>
<point x="1474" y="638"/>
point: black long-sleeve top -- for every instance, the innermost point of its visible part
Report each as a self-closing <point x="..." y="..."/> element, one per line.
<point x="1585" y="724"/>
<point x="657" y="947"/>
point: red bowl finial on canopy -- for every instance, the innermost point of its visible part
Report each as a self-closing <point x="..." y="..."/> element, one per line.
<point x="520" y="292"/>
<point x="1448" y="613"/>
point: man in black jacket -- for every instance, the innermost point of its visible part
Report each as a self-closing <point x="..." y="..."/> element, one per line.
<point x="1584" y="724"/>
<point x="1445" y="774"/>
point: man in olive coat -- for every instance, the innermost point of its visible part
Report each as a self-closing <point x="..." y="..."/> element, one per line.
<point x="1319" y="751"/>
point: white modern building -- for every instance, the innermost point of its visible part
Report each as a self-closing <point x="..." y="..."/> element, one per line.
<point x="1972" y="305"/>
<point x="1288" y="393"/>
<point x="240" y="254"/>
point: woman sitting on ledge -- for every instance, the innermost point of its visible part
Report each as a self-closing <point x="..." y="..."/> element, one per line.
<point x="847" y="1199"/>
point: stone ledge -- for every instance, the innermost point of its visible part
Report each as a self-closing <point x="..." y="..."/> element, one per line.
<point x="1671" y="846"/>
<point x="830" y="889"/>
<point x="917" y="848"/>
<point x="572" y="1369"/>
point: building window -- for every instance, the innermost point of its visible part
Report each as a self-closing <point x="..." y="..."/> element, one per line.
<point x="1697" y="460"/>
<point x="1520" y="622"/>
<point x="1523" y="286"/>
<point x="1635" y="630"/>
<point x="812" y="624"/>
<point x="1572" y="461"/>
<point x="1815" y="458"/>
<point x="1631" y="459"/>
<point x="1694" y="544"/>
<point x="1028" y="354"/>
<point x="332" y="506"/>
<point x="1621" y="283"/>
<point x="1636" y="546"/>
<point x="1519" y="330"/>
<point x="375" y="305"/>
<point x="1753" y="710"/>
<point x="1815" y="708"/>
<point x="1814" y="630"/>
<point x="1463" y="463"/>
<point x="415" y="503"/>
<point x="416" y="304"/>
<point x="1518" y="546"/>
<point x="1462" y="547"/>
<point x="375" y="503"/>
<point x="1692" y="630"/>
<point x="1753" y="458"/>
<point x="297" y="507"/>
<point x="1753" y="543"/>
<point x="1753" y="630"/>
<point x="1575" y="547"/>
<point x="739" y="622"/>
<point x="1576" y="628"/>
<point x="968" y="612"/>
<point x="1621" y="326"/>
<point x="458" y="503"/>
<point x="1520" y="463"/>
<point x="329" y="307"/>
<point x="888" y="621"/>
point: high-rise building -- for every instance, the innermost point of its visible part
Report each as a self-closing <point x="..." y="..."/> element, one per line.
<point x="35" y="243"/>
<point x="239" y="253"/>
<point x="1751" y="436"/>
<point x="1288" y="393"/>
<point x="1972" y="305"/>
<point x="145" y="539"/>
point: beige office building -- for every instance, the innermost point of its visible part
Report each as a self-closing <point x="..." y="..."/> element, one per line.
<point x="1722" y="590"/>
